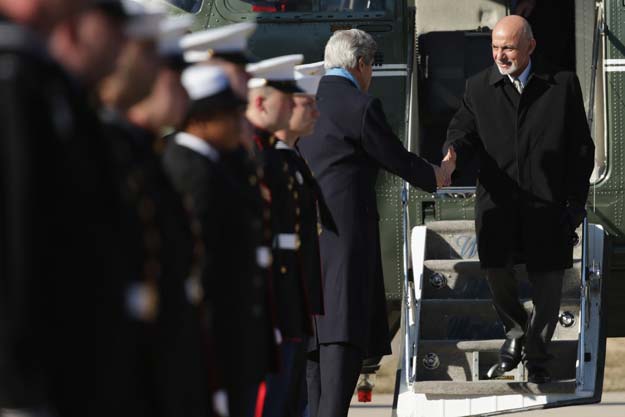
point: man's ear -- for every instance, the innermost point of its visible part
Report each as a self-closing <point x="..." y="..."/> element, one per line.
<point x="361" y="63"/>
<point x="532" y="45"/>
<point x="259" y="103"/>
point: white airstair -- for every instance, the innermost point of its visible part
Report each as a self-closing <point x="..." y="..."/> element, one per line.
<point x="452" y="333"/>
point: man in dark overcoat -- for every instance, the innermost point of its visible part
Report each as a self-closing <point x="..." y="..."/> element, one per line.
<point x="351" y="142"/>
<point x="527" y="125"/>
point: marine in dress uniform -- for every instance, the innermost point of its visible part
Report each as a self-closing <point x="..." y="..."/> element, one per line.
<point x="166" y="359"/>
<point x="58" y="208"/>
<point x="232" y="228"/>
<point x="270" y="110"/>
<point x="298" y="202"/>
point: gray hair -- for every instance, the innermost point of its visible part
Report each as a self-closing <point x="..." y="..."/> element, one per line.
<point x="527" y="30"/>
<point x="346" y="46"/>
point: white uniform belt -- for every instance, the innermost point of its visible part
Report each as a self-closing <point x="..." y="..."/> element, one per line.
<point x="286" y="241"/>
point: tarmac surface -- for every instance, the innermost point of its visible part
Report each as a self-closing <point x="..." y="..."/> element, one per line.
<point x="612" y="405"/>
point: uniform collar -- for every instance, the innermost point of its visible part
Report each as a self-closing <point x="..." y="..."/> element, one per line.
<point x="197" y="145"/>
<point x="282" y="145"/>
<point x="263" y="138"/>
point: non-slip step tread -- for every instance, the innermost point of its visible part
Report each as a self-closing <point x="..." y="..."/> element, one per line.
<point x="451" y="226"/>
<point x="460" y="278"/>
<point x="476" y="319"/>
<point x="464" y="302"/>
<point x="491" y="345"/>
<point x="448" y="389"/>
<point x="455" y="360"/>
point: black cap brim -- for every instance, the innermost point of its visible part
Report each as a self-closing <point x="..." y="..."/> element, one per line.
<point x="223" y="101"/>
<point x="239" y="58"/>
<point x="287" y="86"/>
<point x="175" y="62"/>
<point x="113" y="8"/>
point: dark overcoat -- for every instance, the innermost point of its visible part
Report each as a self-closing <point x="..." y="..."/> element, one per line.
<point x="230" y="216"/>
<point x="536" y="156"/>
<point x="351" y="142"/>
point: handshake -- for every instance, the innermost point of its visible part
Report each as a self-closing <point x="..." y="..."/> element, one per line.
<point x="448" y="166"/>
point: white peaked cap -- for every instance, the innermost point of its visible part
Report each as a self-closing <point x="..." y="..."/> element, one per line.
<point x="203" y="81"/>
<point x="308" y="76"/>
<point x="172" y="29"/>
<point x="144" y="20"/>
<point x="280" y="69"/>
<point x="200" y="46"/>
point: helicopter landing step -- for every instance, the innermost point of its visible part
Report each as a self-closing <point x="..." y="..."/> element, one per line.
<point x="448" y="389"/>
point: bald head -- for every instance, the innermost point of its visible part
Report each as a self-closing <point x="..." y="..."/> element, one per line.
<point x="513" y="43"/>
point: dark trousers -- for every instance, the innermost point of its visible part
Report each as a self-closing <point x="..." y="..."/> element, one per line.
<point x="283" y="397"/>
<point x="242" y="401"/>
<point x="537" y="328"/>
<point x="332" y="373"/>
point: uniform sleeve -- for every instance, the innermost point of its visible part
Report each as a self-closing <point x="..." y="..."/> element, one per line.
<point x="25" y="235"/>
<point x="381" y="144"/>
<point x="462" y="132"/>
<point x="581" y="151"/>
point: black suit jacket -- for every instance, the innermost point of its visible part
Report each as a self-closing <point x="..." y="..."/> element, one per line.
<point x="536" y="156"/>
<point x="351" y="142"/>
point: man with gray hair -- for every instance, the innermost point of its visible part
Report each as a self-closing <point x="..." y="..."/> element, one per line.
<point x="351" y="142"/>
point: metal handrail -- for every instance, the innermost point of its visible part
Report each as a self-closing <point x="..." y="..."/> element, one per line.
<point x="583" y="322"/>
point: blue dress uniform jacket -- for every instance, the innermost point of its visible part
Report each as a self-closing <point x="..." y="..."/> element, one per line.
<point x="313" y="213"/>
<point x="289" y="288"/>
<point x="229" y="211"/>
<point x="351" y="142"/>
<point x="535" y="159"/>
<point x="60" y="300"/>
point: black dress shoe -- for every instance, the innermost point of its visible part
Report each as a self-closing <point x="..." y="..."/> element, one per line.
<point x="509" y="358"/>
<point x="539" y="376"/>
<point x="510" y="354"/>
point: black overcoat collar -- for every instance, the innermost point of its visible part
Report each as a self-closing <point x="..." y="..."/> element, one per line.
<point x="338" y="79"/>
<point x="539" y="70"/>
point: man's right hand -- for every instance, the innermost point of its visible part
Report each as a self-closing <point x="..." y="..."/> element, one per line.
<point x="448" y="166"/>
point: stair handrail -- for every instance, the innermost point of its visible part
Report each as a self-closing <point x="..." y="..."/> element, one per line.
<point x="584" y="299"/>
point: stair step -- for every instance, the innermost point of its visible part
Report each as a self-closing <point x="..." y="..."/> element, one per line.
<point x="452" y="226"/>
<point x="455" y="239"/>
<point x="493" y="345"/>
<point x="476" y="319"/>
<point x="451" y="240"/>
<point x="466" y="279"/>
<point x="455" y="359"/>
<point x="487" y="388"/>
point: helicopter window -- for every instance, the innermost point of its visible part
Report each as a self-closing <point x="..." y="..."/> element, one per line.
<point x="191" y="6"/>
<point x="283" y="6"/>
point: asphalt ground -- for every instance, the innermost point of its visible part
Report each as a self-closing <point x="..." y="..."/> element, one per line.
<point x="612" y="405"/>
